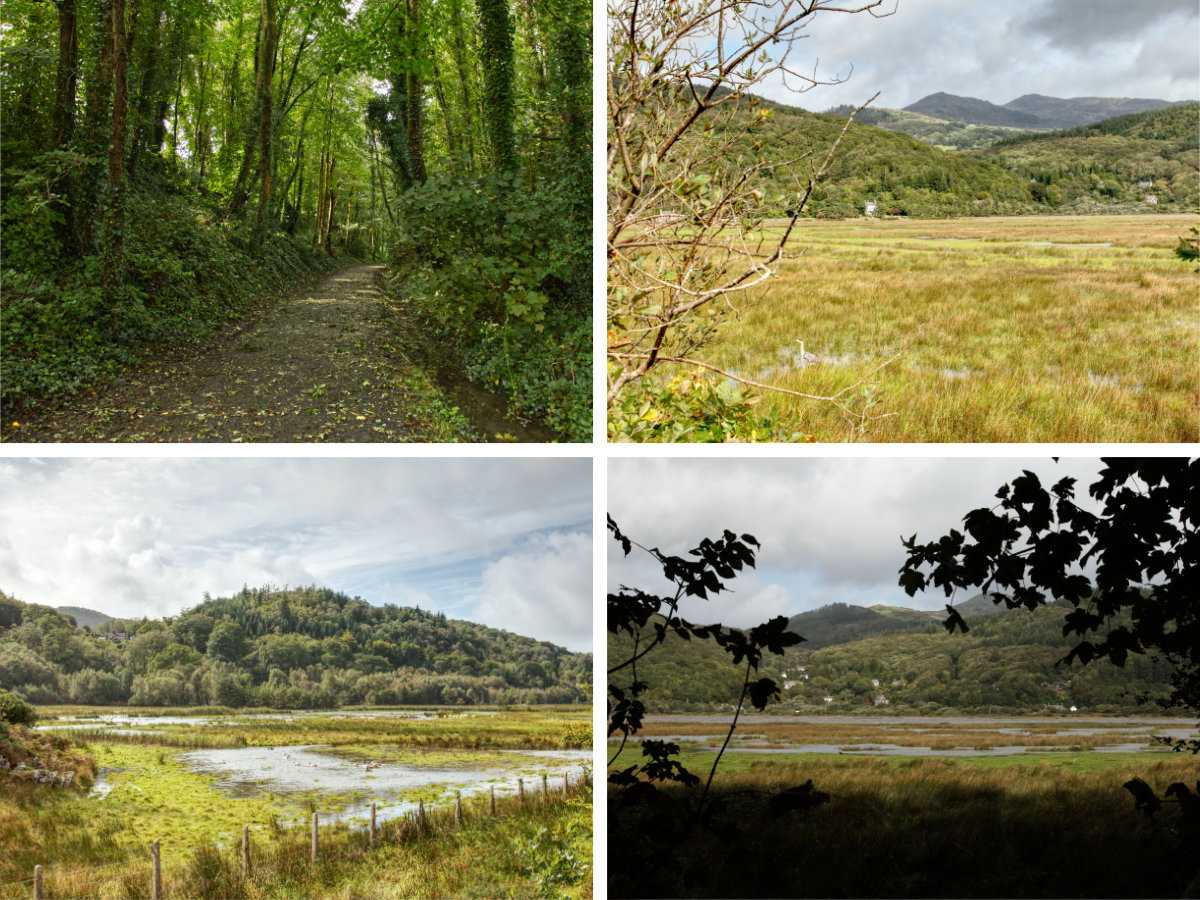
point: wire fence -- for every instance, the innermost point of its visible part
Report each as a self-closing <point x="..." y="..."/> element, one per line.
<point x="140" y="876"/>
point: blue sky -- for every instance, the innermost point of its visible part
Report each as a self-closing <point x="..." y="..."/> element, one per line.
<point x="830" y="528"/>
<point x="506" y="542"/>
<point x="998" y="50"/>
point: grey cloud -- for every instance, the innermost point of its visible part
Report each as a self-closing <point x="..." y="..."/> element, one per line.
<point x="1071" y="25"/>
<point x="833" y="523"/>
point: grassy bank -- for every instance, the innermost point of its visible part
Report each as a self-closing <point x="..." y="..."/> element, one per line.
<point x="538" y="848"/>
<point x="189" y="270"/>
<point x="1033" y="826"/>
<point x="1002" y="330"/>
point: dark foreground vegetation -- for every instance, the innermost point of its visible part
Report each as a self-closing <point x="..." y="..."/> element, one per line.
<point x="908" y="828"/>
<point x="299" y="648"/>
<point x="167" y="164"/>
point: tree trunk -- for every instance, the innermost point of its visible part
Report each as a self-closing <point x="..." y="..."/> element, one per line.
<point x="458" y="48"/>
<point x="266" y="110"/>
<point x="114" y="237"/>
<point x="414" y="96"/>
<point x="496" y="51"/>
<point x="64" y="116"/>
<point x="67" y="74"/>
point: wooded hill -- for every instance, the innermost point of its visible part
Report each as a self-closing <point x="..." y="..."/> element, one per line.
<point x="286" y="648"/>
<point x="1119" y="160"/>
<point x="1006" y="663"/>
<point x="1057" y="172"/>
<point x="167" y="163"/>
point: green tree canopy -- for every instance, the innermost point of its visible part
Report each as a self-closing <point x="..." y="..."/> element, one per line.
<point x="1139" y="555"/>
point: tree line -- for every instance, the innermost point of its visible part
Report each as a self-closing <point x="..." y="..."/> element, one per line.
<point x="285" y="648"/>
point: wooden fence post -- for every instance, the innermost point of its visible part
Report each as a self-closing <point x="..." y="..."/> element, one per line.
<point x="421" y="815"/>
<point x="458" y="809"/>
<point x="521" y="789"/>
<point x="156" y="873"/>
<point x="493" y="793"/>
<point x="566" y="781"/>
<point x="314" y="837"/>
<point x="372" y="843"/>
<point x="245" y="852"/>
<point x="38" y="893"/>
<point x="545" y="787"/>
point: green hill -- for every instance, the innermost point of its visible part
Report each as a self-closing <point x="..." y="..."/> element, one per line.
<point x="1116" y="161"/>
<point x="304" y="647"/>
<point x="1007" y="662"/>
<point x="85" y="618"/>
<point x="1094" y="169"/>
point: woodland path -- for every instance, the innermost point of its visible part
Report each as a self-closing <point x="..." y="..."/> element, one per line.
<point x="322" y="364"/>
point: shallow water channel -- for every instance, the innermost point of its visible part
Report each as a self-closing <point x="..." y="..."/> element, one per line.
<point x="1129" y="735"/>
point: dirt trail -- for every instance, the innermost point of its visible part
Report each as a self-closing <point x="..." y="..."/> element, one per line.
<point x="320" y="365"/>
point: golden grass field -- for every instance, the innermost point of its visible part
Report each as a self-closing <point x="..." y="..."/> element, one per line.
<point x="998" y="337"/>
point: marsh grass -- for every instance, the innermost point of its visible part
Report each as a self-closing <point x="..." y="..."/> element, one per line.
<point x="1057" y="735"/>
<point x="997" y="339"/>
<point x="912" y="828"/>
<point x="94" y="847"/>
<point x="436" y="859"/>
<point x="521" y="729"/>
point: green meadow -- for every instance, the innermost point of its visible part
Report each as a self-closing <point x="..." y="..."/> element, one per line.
<point x="1022" y="329"/>
<point x="140" y="782"/>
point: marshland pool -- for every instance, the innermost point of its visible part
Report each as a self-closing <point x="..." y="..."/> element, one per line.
<point x="344" y="782"/>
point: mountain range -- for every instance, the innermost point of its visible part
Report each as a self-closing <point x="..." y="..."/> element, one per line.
<point x="1032" y="111"/>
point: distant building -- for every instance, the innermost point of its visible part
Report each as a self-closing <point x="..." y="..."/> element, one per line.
<point x="1147" y="183"/>
<point x="875" y="682"/>
<point x="1151" y="199"/>
<point x="871" y="207"/>
<point x="828" y="699"/>
<point x="1073" y="709"/>
<point x="117" y="636"/>
<point x="881" y="700"/>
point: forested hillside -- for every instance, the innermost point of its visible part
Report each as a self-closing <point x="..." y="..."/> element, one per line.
<point x="1007" y="662"/>
<point x="1119" y="160"/>
<point x="1095" y="169"/>
<point x="167" y="164"/>
<point x="286" y="648"/>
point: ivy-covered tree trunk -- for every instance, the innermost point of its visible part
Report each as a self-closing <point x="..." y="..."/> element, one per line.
<point x="67" y="74"/>
<point x="496" y="52"/>
<point x="115" y="224"/>
<point x="415" y="96"/>
<point x="64" y="116"/>
<point x="266" y="111"/>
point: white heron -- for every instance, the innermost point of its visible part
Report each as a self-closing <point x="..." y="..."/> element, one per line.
<point x="804" y="358"/>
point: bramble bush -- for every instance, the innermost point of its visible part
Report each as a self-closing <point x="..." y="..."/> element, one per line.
<point x="503" y="271"/>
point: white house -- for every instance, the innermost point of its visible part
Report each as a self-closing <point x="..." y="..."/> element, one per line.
<point x="870" y="207"/>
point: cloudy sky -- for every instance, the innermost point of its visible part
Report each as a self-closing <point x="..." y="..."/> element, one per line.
<point x="830" y="529"/>
<point x="506" y="542"/>
<point x="998" y="50"/>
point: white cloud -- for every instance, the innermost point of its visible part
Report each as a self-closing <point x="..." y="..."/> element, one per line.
<point x="830" y="529"/>
<point x="137" y="537"/>
<point x="543" y="588"/>
<point x="997" y="50"/>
